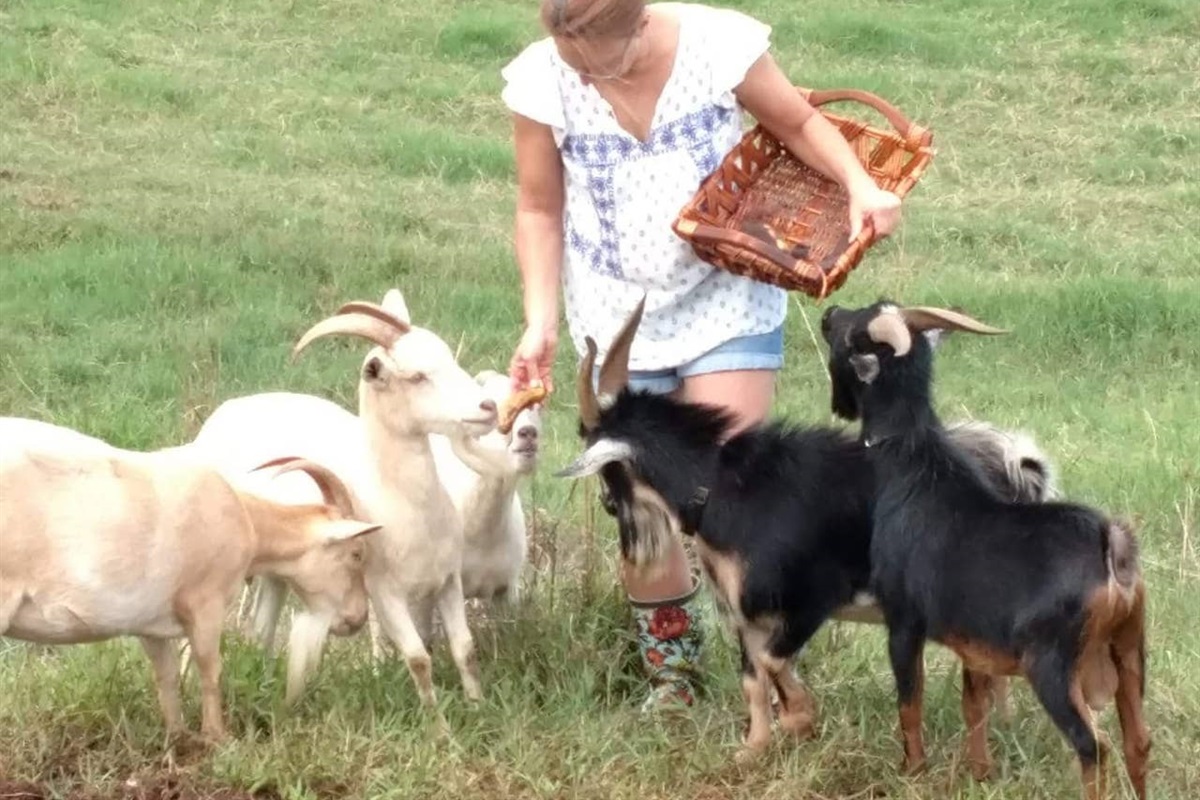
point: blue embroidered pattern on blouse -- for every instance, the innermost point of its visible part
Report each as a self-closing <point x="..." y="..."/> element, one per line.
<point x="599" y="154"/>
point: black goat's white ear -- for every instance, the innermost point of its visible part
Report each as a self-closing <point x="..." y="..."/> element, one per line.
<point x="935" y="336"/>
<point x="866" y="366"/>
<point x="604" y="451"/>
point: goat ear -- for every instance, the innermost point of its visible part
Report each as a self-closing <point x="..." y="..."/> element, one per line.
<point x="393" y="303"/>
<point x="604" y="451"/>
<point x="341" y="530"/>
<point x="866" y="366"/>
<point x="935" y="336"/>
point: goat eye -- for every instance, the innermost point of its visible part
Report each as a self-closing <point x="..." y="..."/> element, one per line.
<point x="418" y="377"/>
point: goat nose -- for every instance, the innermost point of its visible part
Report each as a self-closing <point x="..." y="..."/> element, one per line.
<point x="489" y="406"/>
<point x="527" y="433"/>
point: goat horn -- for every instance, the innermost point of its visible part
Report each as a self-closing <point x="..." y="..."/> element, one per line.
<point x="356" y="323"/>
<point x="888" y="327"/>
<point x="922" y="318"/>
<point x="333" y="490"/>
<point x="589" y="406"/>
<point x="377" y="311"/>
<point x="614" y="374"/>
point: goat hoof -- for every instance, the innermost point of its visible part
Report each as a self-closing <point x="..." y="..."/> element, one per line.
<point x="215" y="737"/>
<point x="748" y="754"/>
<point x="981" y="770"/>
<point x="911" y="767"/>
<point x="799" y="725"/>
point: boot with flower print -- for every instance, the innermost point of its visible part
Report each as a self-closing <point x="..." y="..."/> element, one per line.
<point x="669" y="640"/>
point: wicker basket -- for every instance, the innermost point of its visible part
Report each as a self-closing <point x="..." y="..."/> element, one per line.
<point x="767" y="215"/>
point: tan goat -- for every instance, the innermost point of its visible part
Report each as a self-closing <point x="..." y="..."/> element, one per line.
<point x="98" y="542"/>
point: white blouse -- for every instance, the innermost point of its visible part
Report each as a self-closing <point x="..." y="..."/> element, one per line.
<point x="622" y="194"/>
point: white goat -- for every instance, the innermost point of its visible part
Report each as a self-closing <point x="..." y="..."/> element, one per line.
<point x="101" y="542"/>
<point x="482" y="476"/>
<point x="410" y="386"/>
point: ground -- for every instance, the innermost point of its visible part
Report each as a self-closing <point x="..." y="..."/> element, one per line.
<point x="185" y="187"/>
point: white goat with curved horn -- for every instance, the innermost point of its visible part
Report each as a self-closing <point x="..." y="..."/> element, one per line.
<point x="410" y="387"/>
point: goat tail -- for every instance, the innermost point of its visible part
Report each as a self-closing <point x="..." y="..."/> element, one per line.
<point x="1032" y="471"/>
<point x="1011" y="459"/>
<point x="1122" y="563"/>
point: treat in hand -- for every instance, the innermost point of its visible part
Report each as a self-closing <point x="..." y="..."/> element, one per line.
<point x="517" y="402"/>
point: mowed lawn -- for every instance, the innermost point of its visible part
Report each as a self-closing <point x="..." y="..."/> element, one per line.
<point x="184" y="187"/>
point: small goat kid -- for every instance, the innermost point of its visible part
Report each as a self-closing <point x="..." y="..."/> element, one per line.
<point x="101" y="542"/>
<point x="410" y="386"/>
<point x="1053" y="592"/>
<point x="781" y="515"/>
<point x="482" y="476"/>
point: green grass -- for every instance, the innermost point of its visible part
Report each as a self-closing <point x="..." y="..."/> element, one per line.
<point x="185" y="187"/>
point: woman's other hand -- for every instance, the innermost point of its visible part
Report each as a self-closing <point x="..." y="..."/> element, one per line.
<point x="875" y="207"/>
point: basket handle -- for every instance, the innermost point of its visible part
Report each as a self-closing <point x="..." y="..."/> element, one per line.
<point x="910" y="131"/>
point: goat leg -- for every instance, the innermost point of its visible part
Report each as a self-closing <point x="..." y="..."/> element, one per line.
<point x="906" y="648"/>
<point x="976" y="688"/>
<point x="452" y="609"/>
<point x="398" y="625"/>
<point x="202" y="623"/>
<point x="1051" y="674"/>
<point x="758" y="736"/>
<point x="1135" y="735"/>
<point x="164" y="658"/>
<point x="797" y="711"/>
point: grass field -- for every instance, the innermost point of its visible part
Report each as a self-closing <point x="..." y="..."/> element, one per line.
<point x="184" y="187"/>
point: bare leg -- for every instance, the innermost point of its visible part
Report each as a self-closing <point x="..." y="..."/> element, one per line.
<point x="164" y="658"/>
<point x="451" y="607"/>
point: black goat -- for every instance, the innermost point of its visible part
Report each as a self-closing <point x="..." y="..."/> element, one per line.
<point x="781" y="514"/>
<point x="1052" y="592"/>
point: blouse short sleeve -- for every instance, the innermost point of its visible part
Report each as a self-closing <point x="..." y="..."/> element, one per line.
<point x="531" y="86"/>
<point x="743" y="40"/>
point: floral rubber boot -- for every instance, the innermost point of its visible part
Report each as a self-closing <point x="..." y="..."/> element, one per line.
<point x="669" y="639"/>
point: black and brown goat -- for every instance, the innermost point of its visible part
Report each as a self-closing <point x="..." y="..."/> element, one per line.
<point x="781" y="514"/>
<point x="1052" y="592"/>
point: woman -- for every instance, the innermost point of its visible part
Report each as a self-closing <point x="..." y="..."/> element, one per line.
<point x="618" y="115"/>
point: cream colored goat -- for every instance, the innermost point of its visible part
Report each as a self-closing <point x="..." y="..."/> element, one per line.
<point x="481" y="475"/>
<point x="100" y="542"/>
<point x="410" y="386"/>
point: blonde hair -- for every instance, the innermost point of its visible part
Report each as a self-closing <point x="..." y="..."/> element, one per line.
<point x="590" y="18"/>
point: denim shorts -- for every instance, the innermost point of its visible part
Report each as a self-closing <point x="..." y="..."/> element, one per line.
<point x="755" y="351"/>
